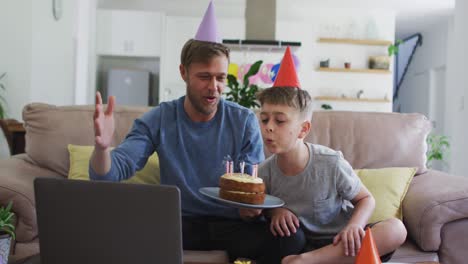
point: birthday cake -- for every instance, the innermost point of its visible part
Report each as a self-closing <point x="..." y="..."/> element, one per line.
<point x="242" y="188"/>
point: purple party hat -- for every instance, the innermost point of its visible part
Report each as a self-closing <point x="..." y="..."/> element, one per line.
<point x="208" y="29"/>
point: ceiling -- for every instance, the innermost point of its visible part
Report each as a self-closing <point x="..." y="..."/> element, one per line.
<point x="412" y="16"/>
<point x="419" y="15"/>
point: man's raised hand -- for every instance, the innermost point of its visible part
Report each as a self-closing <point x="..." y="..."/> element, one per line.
<point x="103" y="123"/>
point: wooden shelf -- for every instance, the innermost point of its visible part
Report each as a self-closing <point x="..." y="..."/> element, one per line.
<point x="354" y="70"/>
<point x="370" y="42"/>
<point x="367" y="100"/>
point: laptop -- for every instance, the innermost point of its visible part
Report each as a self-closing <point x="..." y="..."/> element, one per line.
<point x="104" y="222"/>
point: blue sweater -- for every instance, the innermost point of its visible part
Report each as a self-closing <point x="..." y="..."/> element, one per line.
<point x="191" y="154"/>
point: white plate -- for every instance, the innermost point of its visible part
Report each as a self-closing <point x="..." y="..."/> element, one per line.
<point x="270" y="201"/>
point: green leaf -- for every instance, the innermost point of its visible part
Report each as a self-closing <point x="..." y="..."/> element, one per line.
<point x="438" y="148"/>
<point x="252" y="71"/>
<point x="243" y="93"/>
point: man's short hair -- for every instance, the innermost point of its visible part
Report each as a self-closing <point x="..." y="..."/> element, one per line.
<point x="296" y="98"/>
<point x="201" y="51"/>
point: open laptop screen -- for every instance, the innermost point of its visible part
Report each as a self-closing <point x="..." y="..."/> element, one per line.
<point x="104" y="222"/>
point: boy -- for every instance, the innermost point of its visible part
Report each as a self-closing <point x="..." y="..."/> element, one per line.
<point x="317" y="184"/>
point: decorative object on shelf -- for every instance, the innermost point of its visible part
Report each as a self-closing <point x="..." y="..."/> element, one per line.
<point x="438" y="148"/>
<point x="2" y="98"/>
<point x="359" y="94"/>
<point x="371" y="28"/>
<point x="326" y="107"/>
<point x="347" y="65"/>
<point x="245" y="93"/>
<point x="383" y="62"/>
<point x="379" y="62"/>
<point x="378" y="71"/>
<point x="353" y="30"/>
<point x="7" y="232"/>
<point x="351" y="99"/>
<point x="325" y="63"/>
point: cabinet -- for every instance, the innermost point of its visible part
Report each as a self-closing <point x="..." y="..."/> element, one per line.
<point x="129" y="33"/>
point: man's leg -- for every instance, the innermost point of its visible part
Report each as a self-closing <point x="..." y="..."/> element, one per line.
<point x="239" y="238"/>
<point x="195" y="233"/>
<point x="254" y="240"/>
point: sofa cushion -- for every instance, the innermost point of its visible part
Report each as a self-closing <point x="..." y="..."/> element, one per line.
<point x="79" y="165"/>
<point x="373" y="140"/>
<point x="49" y="129"/>
<point x="16" y="184"/>
<point x="389" y="187"/>
<point x="434" y="199"/>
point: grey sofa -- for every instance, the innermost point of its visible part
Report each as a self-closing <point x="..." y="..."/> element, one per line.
<point x="435" y="208"/>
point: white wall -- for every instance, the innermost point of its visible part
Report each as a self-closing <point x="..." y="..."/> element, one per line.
<point x="52" y="67"/>
<point x="15" y="54"/>
<point x="306" y="29"/>
<point x="303" y="22"/>
<point x="423" y="88"/>
<point x="37" y="53"/>
<point x="307" y="23"/>
<point x="457" y="87"/>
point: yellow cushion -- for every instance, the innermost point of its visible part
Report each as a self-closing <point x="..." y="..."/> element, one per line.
<point x="79" y="162"/>
<point x="389" y="187"/>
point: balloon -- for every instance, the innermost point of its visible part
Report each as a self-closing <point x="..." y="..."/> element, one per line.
<point x="265" y="73"/>
<point x="274" y="71"/>
<point x="254" y="79"/>
<point x="243" y="70"/>
<point x="297" y="63"/>
<point x="233" y="69"/>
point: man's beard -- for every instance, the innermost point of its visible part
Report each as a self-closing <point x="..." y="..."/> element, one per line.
<point x="199" y="106"/>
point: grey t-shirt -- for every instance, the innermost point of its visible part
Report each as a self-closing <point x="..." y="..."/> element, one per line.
<point x="320" y="195"/>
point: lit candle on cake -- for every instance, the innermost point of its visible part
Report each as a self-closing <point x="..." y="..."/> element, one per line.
<point x="254" y="170"/>
<point x="242" y="165"/>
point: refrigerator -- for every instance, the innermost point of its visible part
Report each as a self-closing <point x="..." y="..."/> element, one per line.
<point x="129" y="86"/>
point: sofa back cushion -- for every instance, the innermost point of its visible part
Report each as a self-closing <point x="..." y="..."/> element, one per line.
<point x="50" y="128"/>
<point x="373" y="140"/>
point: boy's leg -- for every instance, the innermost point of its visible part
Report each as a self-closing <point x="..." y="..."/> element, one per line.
<point x="388" y="236"/>
<point x="241" y="239"/>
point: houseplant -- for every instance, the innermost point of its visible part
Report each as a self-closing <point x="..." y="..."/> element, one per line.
<point x="2" y="99"/>
<point x="7" y="232"/>
<point x="244" y="93"/>
<point x="383" y="62"/>
<point x="438" y="147"/>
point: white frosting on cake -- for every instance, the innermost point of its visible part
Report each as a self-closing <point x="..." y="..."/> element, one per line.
<point x="242" y="178"/>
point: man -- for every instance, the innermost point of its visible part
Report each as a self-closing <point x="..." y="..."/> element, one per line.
<point x="193" y="135"/>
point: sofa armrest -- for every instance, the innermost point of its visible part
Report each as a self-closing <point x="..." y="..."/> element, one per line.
<point x="17" y="176"/>
<point x="434" y="199"/>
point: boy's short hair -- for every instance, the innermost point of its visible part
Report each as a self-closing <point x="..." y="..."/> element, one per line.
<point x="201" y="51"/>
<point x="291" y="96"/>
